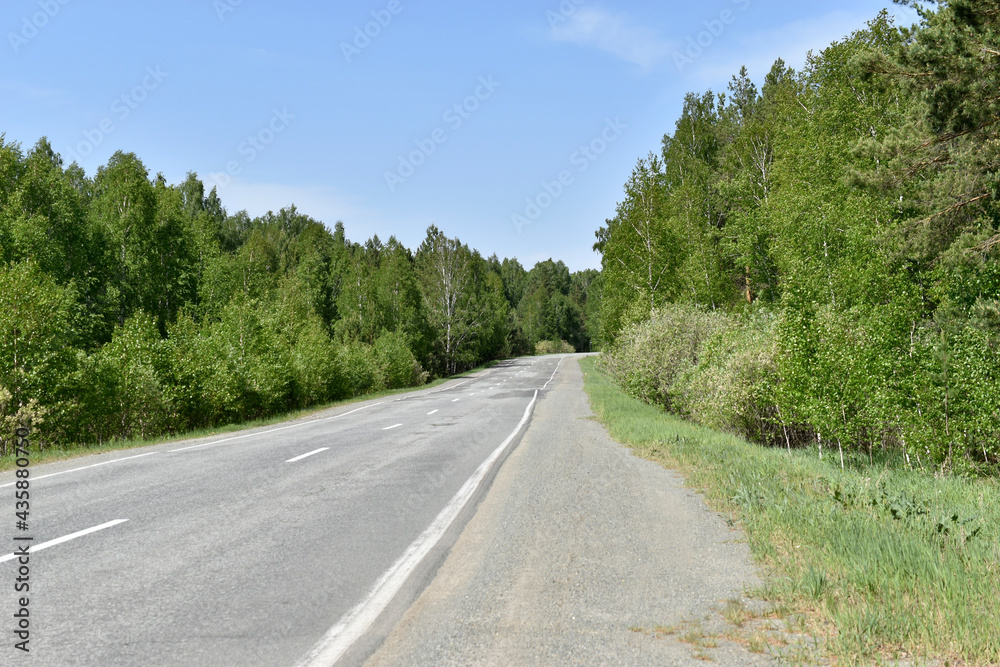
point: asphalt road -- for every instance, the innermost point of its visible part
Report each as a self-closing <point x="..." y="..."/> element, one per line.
<point x="277" y="546"/>
<point x="578" y="553"/>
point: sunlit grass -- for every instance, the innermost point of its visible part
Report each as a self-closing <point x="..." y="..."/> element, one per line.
<point x="880" y="560"/>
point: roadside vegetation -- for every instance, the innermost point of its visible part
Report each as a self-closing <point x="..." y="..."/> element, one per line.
<point x="873" y="560"/>
<point x="131" y="308"/>
<point x="817" y="262"/>
<point x="800" y="310"/>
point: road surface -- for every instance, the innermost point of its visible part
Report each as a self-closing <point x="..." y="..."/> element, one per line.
<point x="277" y="546"/>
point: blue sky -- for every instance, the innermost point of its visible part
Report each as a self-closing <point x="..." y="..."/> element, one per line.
<point x="391" y="115"/>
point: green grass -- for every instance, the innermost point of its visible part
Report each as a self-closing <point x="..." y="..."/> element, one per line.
<point x="72" y="451"/>
<point x="881" y="561"/>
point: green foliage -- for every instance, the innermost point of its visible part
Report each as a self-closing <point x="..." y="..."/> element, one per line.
<point x="35" y="314"/>
<point x="29" y="416"/>
<point x="398" y="365"/>
<point x="841" y="222"/>
<point x="553" y="347"/>
<point x="248" y="372"/>
<point x="651" y="359"/>
<point x="734" y="384"/>
<point x="314" y="374"/>
<point x="130" y="307"/>
<point x="119" y="389"/>
<point x="876" y="561"/>
<point x="464" y="297"/>
<point x="362" y="371"/>
<point x="552" y="305"/>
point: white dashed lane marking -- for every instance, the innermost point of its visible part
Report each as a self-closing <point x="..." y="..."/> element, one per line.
<point x="67" y="538"/>
<point x="303" y="456"/>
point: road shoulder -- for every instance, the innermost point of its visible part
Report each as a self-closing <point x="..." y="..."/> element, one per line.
<point x="581" y="553"/>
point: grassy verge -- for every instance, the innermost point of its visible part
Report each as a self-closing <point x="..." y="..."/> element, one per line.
<point x="882" y="562"/>
<point x="57" y="453"/>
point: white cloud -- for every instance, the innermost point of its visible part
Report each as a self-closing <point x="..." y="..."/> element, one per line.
<point x="613" y="34"/>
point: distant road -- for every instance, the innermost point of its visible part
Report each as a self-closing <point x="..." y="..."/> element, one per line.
<point x="278" y="546"/>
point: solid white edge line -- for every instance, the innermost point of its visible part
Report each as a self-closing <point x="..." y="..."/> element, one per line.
<point x="553" y="373"/>
<point x="67" y="538"/>
<point x="303" y="456"/>
<point x="275" y="430"/>
<point x="94" y="465"/>
<point x="356" y="622"/>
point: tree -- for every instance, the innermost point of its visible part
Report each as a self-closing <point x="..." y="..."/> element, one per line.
<point x="456" y="298"/>
<point x="35" y="357"/>
<point x="124" y="207"/>
<point x="641" y="252"/>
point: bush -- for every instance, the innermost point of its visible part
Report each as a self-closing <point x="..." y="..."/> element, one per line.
<point x="35" y="357"/>
<point x="553" y="347"/>
<point x="359" y="365"/>
<point x="649" y="357"/>
<point x="732" y="387"/>
<point x="399" y="367"/>
<point x="316" y="377"/>
<point x="852" y="380"/>
<point x="188" y="372"/>
<point x="11" y="419"/>
<point x="120" y="388"/>
<point x="246" y="370"/>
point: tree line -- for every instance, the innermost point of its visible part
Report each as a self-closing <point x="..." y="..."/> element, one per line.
<point x="818" y="261"/>
<point x="130" y="307"/>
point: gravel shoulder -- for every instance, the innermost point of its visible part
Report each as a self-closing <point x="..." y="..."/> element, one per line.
<point x="581" y="553"/>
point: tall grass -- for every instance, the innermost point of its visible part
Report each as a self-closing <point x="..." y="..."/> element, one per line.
<point x="882" y="561"/>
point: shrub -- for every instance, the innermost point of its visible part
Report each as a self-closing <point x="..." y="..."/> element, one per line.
<point x="732" y="387"/>
<point x="132" y="358"/>
<point x="316" y="377"/>
<point x="399" y="367"/>
<point x="649" y="357"/>
<point x="247" y="370"/>
<point x="359" y="365"/>
<point x="35" y="357"/>
<point x="553" y="347"/>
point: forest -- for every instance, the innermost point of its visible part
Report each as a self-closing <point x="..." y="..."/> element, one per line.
<point x="131" y="308"/>
<point x="812" y="263"/>
<point x="817" y="262"/>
